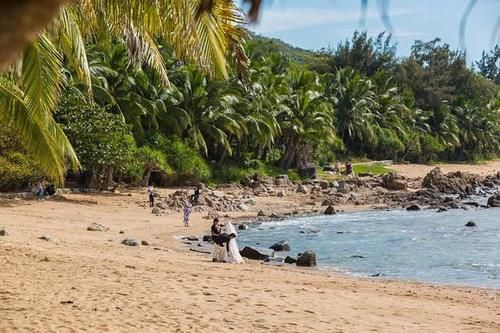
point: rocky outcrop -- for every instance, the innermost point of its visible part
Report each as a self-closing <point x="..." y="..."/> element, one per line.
<point x="392" y="181"/>
<point x="307" y="259"/>
<point x="453" y="182"/>
<point x="494" y="200"/>
<point x="280" y="246"/>
<point x="254" y="254"/>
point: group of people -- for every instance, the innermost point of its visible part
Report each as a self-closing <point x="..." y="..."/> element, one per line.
<point x="188" y="206"/>
<point x="348" y="171"/>
<point x="42" y="189"/>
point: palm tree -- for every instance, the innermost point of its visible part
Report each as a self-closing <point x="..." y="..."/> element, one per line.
<point x="196" y="33"/>
<point x="306" y="118"/>
<point x="354" y="101"/>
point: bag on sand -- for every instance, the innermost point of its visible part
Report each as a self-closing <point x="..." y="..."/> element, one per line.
<point x="219" y="253"/>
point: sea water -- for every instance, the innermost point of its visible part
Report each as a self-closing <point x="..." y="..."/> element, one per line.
<point x="413" y="245"/>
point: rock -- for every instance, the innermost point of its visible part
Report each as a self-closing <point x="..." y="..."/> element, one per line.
<point x="413" y="207"/>
<point x="261" y="213"/>
<point x="47" y="238"/>
<point x="280" y="246"/>
<point x="243" y="207"/>
<point x="330" y="210"/>
<point x="441" y="209"/>
<point x="357" y="256"/>
<point x="156" y="211"/>
<point x="392" y="181"/>
<point x="207" y="238"/>
<point x="307" y="259"/>
<point x="3" y="232"/>
<point x="301" y="189"/>
<point x="471" y="224"/>
<point x="280" y="194"/>
<point x="324" y="184"/>
<point x="343" y="188"/>
<point x="121" y="232"/>
<point x="454" y="182"/>
<point x="308" y="171"/>
<point x="290" y="260"/>
<point x="254" y="254"/>
<point x="494" y="200"/>
<point x="191" y="238"/>
<point x="97" y="227"/>
<point x="146" y="243"/>
<point x="327" y="202"/>
<point x="242" y="227"/>
<point x="281" y="180"/>
<point x="131" y="242"/>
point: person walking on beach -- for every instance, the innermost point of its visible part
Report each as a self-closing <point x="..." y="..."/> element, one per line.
<point x="151" y="195"/>
<point x="187" y="212"/>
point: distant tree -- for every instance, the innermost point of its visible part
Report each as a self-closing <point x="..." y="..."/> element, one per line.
<point x="489" y="65"/>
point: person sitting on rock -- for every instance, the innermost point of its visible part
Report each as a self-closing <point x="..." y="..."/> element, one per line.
<point x="196" y="196"/>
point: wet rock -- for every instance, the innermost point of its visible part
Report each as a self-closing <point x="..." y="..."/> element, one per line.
<point x="301" y="189"/>
<point x="471" y="224"/>
<point x="413" y="208"/>
<point x="97" y="227"/>
<point x="472" y="203"/>
<point x="494" y="200"/>
<point x="307" y="259"/>
<point x="441" y="209"/>
<point x="392" y="181"/>
<point x="255" y="254"/>
<point x="290" y="260"/>
<point x="3" y="232"/>
<point x="280" y="246"/>
<point x="357" y="256"/>
<point x="131" y="242"/>
<point x="261" y="213"/>
<point x="145" y="243"/>
<point x="330" y="210"/>
<point x="242" y="227"/>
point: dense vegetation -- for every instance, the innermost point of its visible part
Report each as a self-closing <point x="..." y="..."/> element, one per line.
<point x="290" y="109"/>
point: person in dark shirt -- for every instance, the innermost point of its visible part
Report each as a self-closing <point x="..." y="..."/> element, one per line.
<point x="219" y="237"/>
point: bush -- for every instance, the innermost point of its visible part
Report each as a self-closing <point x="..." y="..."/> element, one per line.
<point x="17" y="171"/>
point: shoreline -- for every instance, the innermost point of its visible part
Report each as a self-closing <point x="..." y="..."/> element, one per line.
<point x="79" y="280"/>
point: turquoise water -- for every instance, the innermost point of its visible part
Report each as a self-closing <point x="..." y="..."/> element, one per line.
<point x="422" y="246"/>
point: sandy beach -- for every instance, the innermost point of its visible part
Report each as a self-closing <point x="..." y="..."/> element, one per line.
<point x="83" y="281"/>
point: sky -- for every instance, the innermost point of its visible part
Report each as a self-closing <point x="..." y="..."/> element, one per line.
<point x="315" y="24"/>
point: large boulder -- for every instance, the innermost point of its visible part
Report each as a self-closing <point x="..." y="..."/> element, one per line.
<point x="392" y="181"/>
<point x="330" y="210"/>
<point x="290" y="260"/>
<point x="254" y="254"/>
<point x="324" y="184"/>
<point x="343" y="187"/>
<point x="307" y="259"/>
<point x="470" y="224"/>
<point x="280" y="246"/>
<point x="454" y="182"/>
<point x="494" y="200"/>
